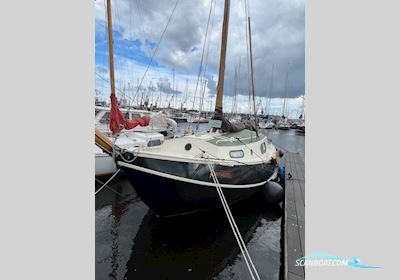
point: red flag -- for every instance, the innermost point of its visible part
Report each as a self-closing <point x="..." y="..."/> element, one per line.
<point x="117" y="119"/>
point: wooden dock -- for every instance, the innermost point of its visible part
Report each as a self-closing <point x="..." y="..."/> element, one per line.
<point x="294" y="216"/>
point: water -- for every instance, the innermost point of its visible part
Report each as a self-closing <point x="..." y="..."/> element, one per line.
<point x="131" y="243"/>
<point x="287" y="140"/>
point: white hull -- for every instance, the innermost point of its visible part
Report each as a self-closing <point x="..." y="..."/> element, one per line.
<point x="196" y="120"/>
<point x="104" y="164"/>
<point x="265" y="125"/>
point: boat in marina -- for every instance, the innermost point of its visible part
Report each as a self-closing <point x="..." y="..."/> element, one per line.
<point x="301" y="131"/>
<point x="180" y="117"/>
<point x="163" y="124"/>
<point x="158" y="122"/>
<point x="174" y="176"/>
<point x="235" y="118"/>
<point x="283" y="124"/>
<point x="104" y="164"/>
<point x="266" y="124"/>
<point x="196" y="119"/>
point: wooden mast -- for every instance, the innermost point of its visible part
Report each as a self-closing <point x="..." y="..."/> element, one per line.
<point x="110" y="46"/>
<point x="220" y="87"/>
<point x="102" y="140"/>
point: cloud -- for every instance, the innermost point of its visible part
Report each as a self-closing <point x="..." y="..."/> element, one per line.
<point x="277" y="38"/>
<point x="164" y="85"/>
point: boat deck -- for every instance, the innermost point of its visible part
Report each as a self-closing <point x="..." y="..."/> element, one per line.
<point x="294" y="216"/>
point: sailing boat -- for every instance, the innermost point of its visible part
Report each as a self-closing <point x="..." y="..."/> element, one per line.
<point x="302" y="126"/>
<point x="174" y="177"/>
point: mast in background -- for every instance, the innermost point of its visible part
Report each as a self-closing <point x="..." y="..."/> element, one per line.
<point x="252" y="78"/>
<point x="284" y="100"/>
<point x="270" y="91"/>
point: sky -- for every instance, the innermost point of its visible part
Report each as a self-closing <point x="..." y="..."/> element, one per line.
<point x="277" y="34"/>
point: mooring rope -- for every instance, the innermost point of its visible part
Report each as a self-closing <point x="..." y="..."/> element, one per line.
<point x="108" y="181"/>
<point x="97" y="180"/>
<point x="236" y="232"/>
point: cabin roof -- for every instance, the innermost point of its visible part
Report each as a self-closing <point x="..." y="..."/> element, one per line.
<point x="231" y="138"/>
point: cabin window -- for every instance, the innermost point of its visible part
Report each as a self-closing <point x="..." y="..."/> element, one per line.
<point x="135" y="116"/>
<point x="127" y="115"/>
<point x="263" y="148"/>
<point x="236" y="154"/>
<point x="105" y="119"/>
<point x="152" y="143"/>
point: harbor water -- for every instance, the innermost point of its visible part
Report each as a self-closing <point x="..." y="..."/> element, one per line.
<point x="132" y="243"/>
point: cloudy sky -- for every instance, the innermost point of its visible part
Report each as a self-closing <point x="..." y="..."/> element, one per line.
<point x="277" y="37"/>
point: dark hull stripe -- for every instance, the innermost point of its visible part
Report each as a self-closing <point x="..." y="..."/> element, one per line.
<point x="168" y="197"/>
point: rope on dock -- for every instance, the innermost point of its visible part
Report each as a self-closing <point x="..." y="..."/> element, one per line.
<point x="108" y="181"/>
<point x="236" y="232"/>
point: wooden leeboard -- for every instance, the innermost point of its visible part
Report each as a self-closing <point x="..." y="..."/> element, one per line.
<point x="294" y="231"/>
<point x="103" y="142"/>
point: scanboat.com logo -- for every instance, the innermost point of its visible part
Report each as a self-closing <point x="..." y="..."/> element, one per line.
<point x="329" y="260"/>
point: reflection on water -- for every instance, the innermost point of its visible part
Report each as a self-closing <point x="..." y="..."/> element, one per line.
<point x="118" y="218"/>
<point x="131" y="243"/>
<point x="265" y="251"/>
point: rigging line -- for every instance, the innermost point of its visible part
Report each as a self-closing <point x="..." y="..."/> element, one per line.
<point x="141" y="11"/>
<point x="221" y="159"/>
<point x="129" y="66"/>
<point x="251" y="150"/>
<point x="201" y="104"/>
<point x="234" y="91"/>
<point x="252" y="78"/>
<point x="236" y="96"/>
<point x="130" y="98"/>
<point x="202" y="53"/>
<point x="203" y="75"/>
<point x="117" y="48"/>
<point x="158" y="44"/>
<point x="107" y="80"/>
<point x="208" y="46"/>
<point x="270" y="89"/>
<point x="205" y="51"/>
